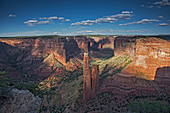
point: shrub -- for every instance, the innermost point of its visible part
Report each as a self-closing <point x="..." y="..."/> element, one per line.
<point x="149" y="107"/>
<point x="31" y="87"/>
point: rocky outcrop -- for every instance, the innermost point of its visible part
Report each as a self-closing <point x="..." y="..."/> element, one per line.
<point x="97" y="43"/>
<point x="106" y="42"/>
<point x="162" y="78"/>
<point x="18" y="101"/>
<point x="27" y="57"/>
<point x="125" y="45"/>
<point x="147" y="53"/>
<point x="63" y="48"/>
<point x="90" y="83"/>
<point x="95" y="79"/>
<point x="87" y="78"/>
<point x="82" y="42"/>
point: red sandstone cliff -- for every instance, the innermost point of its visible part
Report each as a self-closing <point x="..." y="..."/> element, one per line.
<point x="95" y="79"/>
<point x="87" y="78"/>
<point x="148" y="54"/>
<point x="28" y="56"/>
<point x="82" y="43"/>
<point x="90" y="82"/>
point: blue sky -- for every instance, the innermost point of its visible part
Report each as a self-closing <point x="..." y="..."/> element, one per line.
<point x="73" y="17"/>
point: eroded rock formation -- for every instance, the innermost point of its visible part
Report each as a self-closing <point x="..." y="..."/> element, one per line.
<point x="148" y="54"/>
<point x="83" y="43"/>
<point x="87" y="78"/>
<point x="27" y="57"/>
<point x="90" y="83"/>
<point x="95" y="79"/>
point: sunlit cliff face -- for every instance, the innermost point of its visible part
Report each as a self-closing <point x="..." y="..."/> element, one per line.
<point x="112" y="72"/>
<point x="148" y="54"/>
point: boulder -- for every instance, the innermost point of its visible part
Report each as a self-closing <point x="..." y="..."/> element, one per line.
<point x="13" y="100"/>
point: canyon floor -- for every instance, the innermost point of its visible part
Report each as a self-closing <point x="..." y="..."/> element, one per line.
<point x="134" y="72"/>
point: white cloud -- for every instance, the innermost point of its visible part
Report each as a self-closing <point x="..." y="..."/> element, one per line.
<point x="84" y="23"/>
<point x="84" y="31"/>
<point x="162" y="24"/>
<point x="121" y="16"/>
<point x="158" y="4"/>
<point x="45" y="20"/>
<point x="143" y="21"/>
<point x="67" y="20"/>
<point x="11" y="15"/>
<point x="150" y="6"/>
<point x="107" y="32"/>
<point x="160" y="17"/>
<point x="127" y="11"/>
<point x="29" y="33"/>
<point x="52" y="18"/>
<point x="163" y="2"/>
<point x="25" y="33"/>
<point x="106" y="19"/>
<point x="36" y="22"/>
<point x="31" y="21"/>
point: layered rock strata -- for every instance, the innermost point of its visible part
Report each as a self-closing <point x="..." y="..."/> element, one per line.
<point x="90" y="83"/>
<point x="87" y="78"/>
<point x="95" y="79"/>
<point x="148" y="54"/>
<point x="41" y="56"/>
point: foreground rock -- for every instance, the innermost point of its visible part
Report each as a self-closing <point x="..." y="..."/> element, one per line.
<point x="18" y="101"/>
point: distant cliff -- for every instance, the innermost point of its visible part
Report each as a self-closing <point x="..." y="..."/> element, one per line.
<point x="41" y="56"/>
<point x="148" y="54"/>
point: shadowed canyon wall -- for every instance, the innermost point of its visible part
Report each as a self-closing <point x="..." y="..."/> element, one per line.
<point x="43" y="56"/>
<point x="62" y="47"/>
<point x="148" y="54"/>
<point x="39" y="56"/>
<point x="162" y="78"/>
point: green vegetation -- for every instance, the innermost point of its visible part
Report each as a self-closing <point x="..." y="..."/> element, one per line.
<point x="2" y="72"/>
<point x="4" y="79"/>
<point x="31" y="87"/>
<point x="105" y="53"/>
<point x="149" y="107"/>
<point x="64" y="89"/>
<point x="112" y="65"/>
<point x="74" y="75"/>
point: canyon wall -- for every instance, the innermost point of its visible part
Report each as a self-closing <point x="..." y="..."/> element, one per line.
<point x="82" y="43"/>
<point x="162" y="78"/>
<point x="124" y="45"/>
<point x="148" y="54"/>
<point x="41" y="56"/>
<point x="63" y="47"/>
